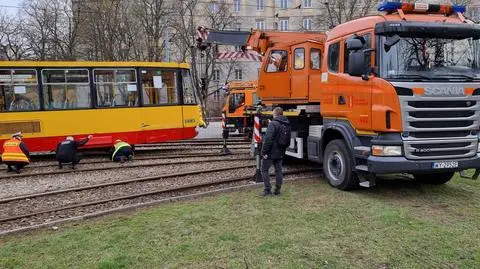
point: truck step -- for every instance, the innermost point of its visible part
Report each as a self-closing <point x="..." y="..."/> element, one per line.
<point x="363" y="168"/>
<point x="366" y="184"/>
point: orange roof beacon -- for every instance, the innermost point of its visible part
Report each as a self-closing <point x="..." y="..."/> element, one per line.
<point x="397" y="92"/>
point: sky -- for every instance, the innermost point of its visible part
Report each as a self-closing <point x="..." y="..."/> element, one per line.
<point x="9" y="3"/>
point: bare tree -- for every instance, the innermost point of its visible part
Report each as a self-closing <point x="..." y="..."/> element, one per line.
<point x="109" y="31"/>
<point x="50" y="29"/>
<point x="12" y="43"/>
<point x="154" y="17"/>
<point x="215" y="15"/>
<point x="340" y="11"/>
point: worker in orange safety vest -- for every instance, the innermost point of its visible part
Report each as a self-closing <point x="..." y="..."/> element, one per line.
<point x="15" y="153"/>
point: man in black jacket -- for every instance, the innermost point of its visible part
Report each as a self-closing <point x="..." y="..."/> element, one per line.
<point x="273" y="152"/>
<point x="67" y="151"/>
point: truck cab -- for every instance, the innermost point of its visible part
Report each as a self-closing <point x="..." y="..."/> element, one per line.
<point x="240" y="106"/>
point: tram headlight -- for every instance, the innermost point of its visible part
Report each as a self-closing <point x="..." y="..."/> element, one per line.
<point x="386" y="151"/>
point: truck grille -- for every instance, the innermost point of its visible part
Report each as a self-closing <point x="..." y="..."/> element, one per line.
<point x="440" y="127"/>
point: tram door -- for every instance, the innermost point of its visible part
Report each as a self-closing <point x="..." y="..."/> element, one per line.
<point x="162" y="115"/>
<point x="191" y="112"/>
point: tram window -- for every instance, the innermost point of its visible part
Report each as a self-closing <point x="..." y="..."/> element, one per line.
<point x="18" y="90"/>
<point x="66" y="88"/>
<point x="116" y="87"/>
<point x="189" y="96"/>
<point x="159" y="87"/>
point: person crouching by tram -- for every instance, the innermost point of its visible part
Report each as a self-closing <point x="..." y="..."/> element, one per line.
<point x="67" y="151"/>
<point x="15" y="153"/>
<point x="122" y="151"/>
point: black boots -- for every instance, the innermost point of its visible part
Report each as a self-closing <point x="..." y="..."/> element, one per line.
<point x="266" y="193"/>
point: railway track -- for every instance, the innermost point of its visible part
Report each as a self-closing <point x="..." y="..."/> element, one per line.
<point x="114" y="166"/>
<point x="167" y="148"/>
<point x="39" y="209"/>
<point x="45" y="164"/>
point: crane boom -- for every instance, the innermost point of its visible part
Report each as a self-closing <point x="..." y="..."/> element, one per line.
<point x="257" y="40"/>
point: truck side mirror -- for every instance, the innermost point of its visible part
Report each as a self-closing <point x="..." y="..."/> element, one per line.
<point x="390" y="42"/>
<point x="354" y="44"/>
<point x="357" y="63"/>
<point x="356" y="58"/>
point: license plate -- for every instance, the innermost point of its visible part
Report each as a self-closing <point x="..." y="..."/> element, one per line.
<point x="444" y="165"/>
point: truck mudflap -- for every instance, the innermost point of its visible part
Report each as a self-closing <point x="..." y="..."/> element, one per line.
<point x="389" y="165"/>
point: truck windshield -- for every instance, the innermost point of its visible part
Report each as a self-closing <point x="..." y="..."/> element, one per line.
<point x="432" y="58"/>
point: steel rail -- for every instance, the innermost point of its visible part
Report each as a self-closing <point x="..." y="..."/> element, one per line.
<point x="143" y="158"/>
<point x="68" y="171"/>
<point x="236" y="143"/>
<point x="150" y="193"/>
<point x="120" y="182"/>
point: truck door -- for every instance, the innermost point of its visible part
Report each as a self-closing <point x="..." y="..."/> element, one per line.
<point x="356" y="91"/>
<point x="299" y="81"/>
<point x="274" y="76"/>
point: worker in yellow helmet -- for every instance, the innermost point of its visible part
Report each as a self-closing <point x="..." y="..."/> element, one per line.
<point x="15" y="153"/>
<point x="122" y="151"/>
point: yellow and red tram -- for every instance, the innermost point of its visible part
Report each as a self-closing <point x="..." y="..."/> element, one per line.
<point x="138" y="102"/>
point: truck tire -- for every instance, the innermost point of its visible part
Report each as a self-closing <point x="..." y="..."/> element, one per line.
<point x="435" y="178"/>
<point x="338" y="165"/>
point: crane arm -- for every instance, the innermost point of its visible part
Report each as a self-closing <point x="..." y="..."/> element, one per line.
<point x="256" y="40"/>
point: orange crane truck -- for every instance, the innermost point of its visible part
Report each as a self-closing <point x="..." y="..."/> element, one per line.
<point x="397" y="92"/>
<point x="240" y="106"/>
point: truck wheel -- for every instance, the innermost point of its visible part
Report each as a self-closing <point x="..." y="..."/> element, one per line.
<point x="337" y="165"/>
<point x="435" y="178"/>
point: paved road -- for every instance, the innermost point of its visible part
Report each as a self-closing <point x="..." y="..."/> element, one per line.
<point x="214" y="130"/>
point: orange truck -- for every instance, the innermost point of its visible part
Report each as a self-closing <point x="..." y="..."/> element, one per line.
<point x="240" y="105"/>
<point x="397" y="92"/>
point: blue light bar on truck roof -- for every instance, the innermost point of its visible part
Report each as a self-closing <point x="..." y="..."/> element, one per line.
<point x="389" y="7"/>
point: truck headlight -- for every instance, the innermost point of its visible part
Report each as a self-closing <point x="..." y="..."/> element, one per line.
<point x="386" y="150"/>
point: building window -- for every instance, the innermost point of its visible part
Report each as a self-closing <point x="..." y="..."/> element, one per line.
<point x="159" y="87"/>
<point x="216" y="75"/>
<point x="307" y="3"/>
<point x="307" y="24"/>
<point x="18" y="90"/>
<point x="260" y="25"/>
<point x="236" y="5"/>
<point x="333" y="57"/>
<point x="284" y="25"/>
<point x="66" y="88"/>
<point x="260" y="5"/>
<point x="116" y="87"/>
<point x="283" y="3"/>
<point x="214" y="7"/>
<point x="238" y="74"/>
